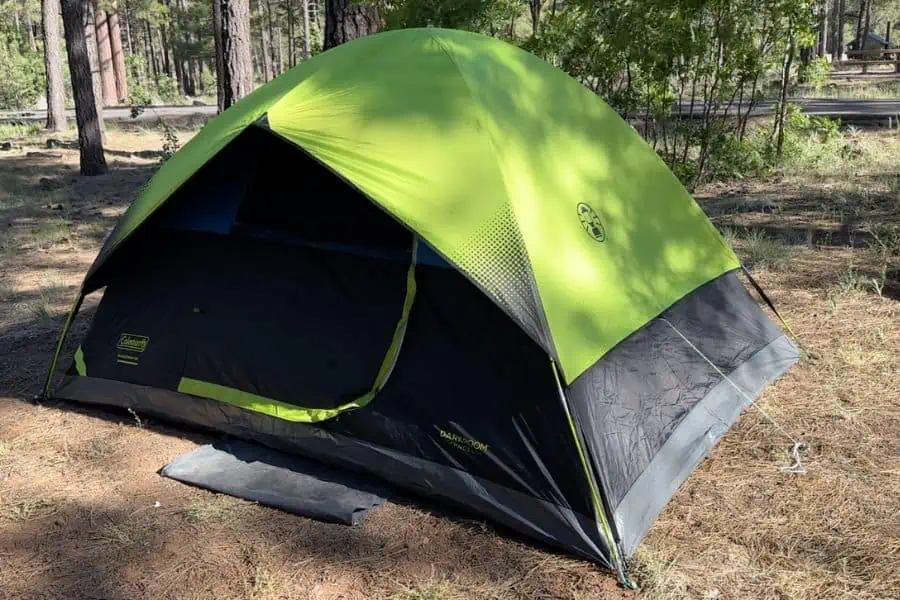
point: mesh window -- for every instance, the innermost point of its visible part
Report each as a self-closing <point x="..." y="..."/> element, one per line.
<point x="496" y="259"/>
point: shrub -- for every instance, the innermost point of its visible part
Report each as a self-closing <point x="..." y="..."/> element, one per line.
<point x="815" y="73"/>
<point x="22" y="76"/>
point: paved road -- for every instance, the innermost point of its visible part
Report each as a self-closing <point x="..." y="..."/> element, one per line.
<point x="826" y="107"/>
<point x="113" y="114"/>
<point x="848" y="110"/>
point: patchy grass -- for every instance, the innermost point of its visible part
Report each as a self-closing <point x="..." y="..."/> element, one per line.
<point x="15" y="131"/>
<point x="757" y="249"/>
<point x="51" y="232"/>
<point x="852" y="89"/>
<point x="216" y="508"/>
<point x="430" y="590"/>
<point x="27" y="509"/>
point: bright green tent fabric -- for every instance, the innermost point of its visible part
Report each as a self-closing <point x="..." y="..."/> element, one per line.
<point x="516" y="173"/>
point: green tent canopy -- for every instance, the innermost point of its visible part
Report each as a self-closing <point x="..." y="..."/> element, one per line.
<point x="429" y="255"/>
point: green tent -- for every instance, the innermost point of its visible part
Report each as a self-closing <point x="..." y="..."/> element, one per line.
<point x="431" y="256"/>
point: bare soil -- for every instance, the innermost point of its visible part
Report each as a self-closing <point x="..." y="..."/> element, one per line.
<point x="84" y="514"/>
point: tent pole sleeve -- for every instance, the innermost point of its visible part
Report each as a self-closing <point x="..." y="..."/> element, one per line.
<point x="597" y="496"/>
<point x="45" y="393"/>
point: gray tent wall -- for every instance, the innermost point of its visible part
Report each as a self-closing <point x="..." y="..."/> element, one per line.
<point x="652" y="408"/>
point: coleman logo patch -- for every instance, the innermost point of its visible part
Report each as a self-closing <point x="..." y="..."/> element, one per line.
<point x="591" y="222"/>
<point x="132" y="343"/>
<point x="461" y="442"/>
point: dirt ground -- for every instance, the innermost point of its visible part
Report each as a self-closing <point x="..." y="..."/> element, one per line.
<point x="84" y="514"/>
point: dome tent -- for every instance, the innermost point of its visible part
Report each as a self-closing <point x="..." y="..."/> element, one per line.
<point x="430" y="256"/>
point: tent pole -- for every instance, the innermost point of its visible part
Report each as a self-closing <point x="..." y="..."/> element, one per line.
<point x="45" y="393"/>
<point x="598" y="495"/>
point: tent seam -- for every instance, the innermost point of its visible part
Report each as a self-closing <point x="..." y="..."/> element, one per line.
<point x="535" y="292"/>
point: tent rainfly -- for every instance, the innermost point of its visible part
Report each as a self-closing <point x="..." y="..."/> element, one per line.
<point x="430" y="256"/>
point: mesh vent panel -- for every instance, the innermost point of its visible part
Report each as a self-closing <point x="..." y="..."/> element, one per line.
<point x="496" y="259"/>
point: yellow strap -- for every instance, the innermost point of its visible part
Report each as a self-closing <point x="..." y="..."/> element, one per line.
<point x="291" y="412"/>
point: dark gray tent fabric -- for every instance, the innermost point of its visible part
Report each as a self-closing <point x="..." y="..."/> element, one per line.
<point x="289" y="482"/>
<point x="652" y="408"/>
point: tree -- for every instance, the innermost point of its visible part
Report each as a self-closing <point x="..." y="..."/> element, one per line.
<point x="77" y="20"/>
<point x="535" y="7"/>
<point x="105" y="59"/>
<point x="118" y="56"/>
<point x="90" y="40"/>
<point x="304" y="6"/>
<point x="237" y="61"/>
<point x="56" y="96"/>
<point x="265" y="42"/>
<point x="220" y="54"/>
<point x="347" y="20"/>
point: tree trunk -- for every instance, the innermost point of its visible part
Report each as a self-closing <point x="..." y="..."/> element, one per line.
<point x="56" y="95"/>
<point x="865" y="35"/>
<point x="128" y="39"/>
<point x="304" y="6"/>
<point x="280" y="49"/>
<point x="238" y="63"/>
<point x="842" y="8"/>
<point x="29" y="27"/>
<point x="292" y="56"/>
<point x="269" y="34"/>
<point x="90" y="40"/>
<point x="118" y="56"/>
<point x="861" y="18"/>
<point x="347" y="20"/>
<point x="867" y="25"/>
<point x="166" y="50"/>
<point x="77" y="21"/>
<point x="104" y="56"/>
<point x="265" y="41"/>
<point x="151" y="55"/>
<point x="535" y="6"/>
<point x="220" y="54"/>
<point x="823" y="29"/>
<point x="835" y="28"/>
<point x="785" y="84"/>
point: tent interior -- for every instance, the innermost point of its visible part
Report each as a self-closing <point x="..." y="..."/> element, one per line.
<point x="279" y="279"/>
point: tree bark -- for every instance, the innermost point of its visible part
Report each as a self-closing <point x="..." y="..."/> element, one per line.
<point x="166" y="50"/>
<point x="238" y="63"/>
<point x="128" y="39"/>
<point x="785" y="84"/>
<point x="151" y="54"/>
<point x="534" y="7"/>
<point x="279" y="48"/>
<point x="56" y="96"/>
<point x="77" y="20"/>
<point x="90" y="40"/>
<point x="104" y="56"/>
<point x="269" y="33"/>
<point x="842" y="8"/>
<point x="29" y="27"/>
<point x="304" y="6"/>
<point x="347" y="20"/>
<point x="220" y="54"/>
<point x="292" y="56"/>
<point x="265" y="41"/>
<point x="823" y="29"/>
<point x="118" y="56"/>
<point x="860" y="19"/>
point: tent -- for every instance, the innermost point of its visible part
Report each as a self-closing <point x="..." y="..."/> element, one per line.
<point x="431" y="257"/>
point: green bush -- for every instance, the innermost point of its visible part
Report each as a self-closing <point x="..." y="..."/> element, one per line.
<point x="810" y="142"/>
<point x="22" y="76"/>
<point x="815" y="73"/>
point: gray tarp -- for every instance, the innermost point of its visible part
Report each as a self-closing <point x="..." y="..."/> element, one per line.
<point x="292" y="483"/>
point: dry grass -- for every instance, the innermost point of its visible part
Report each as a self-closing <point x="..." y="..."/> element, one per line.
<point x="83" y="513"/>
